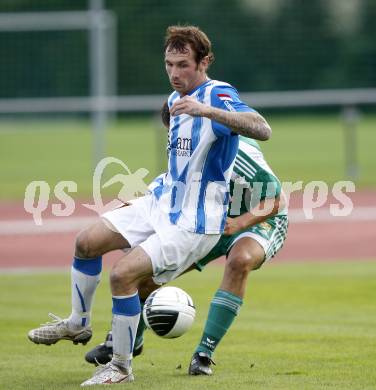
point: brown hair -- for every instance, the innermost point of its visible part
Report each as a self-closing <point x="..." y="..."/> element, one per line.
<point x="177" y="37"/>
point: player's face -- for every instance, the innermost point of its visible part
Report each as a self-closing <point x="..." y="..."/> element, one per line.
<point x="183" y="71"/>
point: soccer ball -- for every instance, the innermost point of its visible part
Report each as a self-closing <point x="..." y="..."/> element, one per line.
<point x="169" y="312"/>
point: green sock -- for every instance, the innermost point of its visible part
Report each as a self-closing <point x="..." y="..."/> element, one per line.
<point x="141" y="328"/>
<point x="224" y="308"/>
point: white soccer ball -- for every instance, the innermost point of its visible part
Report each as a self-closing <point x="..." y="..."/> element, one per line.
<point x="169" y="312"/>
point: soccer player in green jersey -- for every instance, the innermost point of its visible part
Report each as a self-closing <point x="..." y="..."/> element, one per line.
<point x="255" y="230"/>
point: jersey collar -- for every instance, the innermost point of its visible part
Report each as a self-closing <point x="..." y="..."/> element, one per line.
<point x="198" y="87"/>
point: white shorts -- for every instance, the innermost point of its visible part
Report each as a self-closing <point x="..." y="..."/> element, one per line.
<point x="171" y="249"/>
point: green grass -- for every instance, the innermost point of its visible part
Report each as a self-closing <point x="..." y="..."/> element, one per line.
<point x="302" y="326"/>
<point x="302" y="148"/>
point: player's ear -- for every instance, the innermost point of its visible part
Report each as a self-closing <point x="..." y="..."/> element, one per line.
<point x="204" y="63"/>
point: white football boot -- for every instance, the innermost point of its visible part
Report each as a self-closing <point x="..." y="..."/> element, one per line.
<point x="58" y="329"/>
<point x="109" y="374"/>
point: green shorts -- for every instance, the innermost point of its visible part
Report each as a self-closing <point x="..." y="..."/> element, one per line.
<point x="270" y="234"/>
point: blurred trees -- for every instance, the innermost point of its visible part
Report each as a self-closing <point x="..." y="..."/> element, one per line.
<point x="297" y="46"/>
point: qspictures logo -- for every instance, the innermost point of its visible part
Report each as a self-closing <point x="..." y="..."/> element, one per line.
<point x="38" y="193"/>
<point x="315" y="194"/>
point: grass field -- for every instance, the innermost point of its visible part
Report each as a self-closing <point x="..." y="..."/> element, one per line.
<point x="302" y="148"/>
<point x="303" y="326"/>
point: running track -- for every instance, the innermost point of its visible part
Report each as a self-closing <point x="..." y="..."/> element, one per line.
<point x="24" y="245"/>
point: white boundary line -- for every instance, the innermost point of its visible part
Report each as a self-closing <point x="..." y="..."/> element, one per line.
<point x="322" y="215"/>
<point x="50" y="226"/>
<point x="74" y="224"/>
<point x="35" y="270"/>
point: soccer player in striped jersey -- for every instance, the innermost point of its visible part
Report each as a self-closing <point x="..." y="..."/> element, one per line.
<point x="252" y="235"/>
<point x="180" y="221"/>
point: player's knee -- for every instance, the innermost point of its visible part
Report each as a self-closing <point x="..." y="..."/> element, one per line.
<point x="243" y="263"/>
<point x="120" y="277"/>
<point x="117" y="278"/>
<point x="84" y="248"/>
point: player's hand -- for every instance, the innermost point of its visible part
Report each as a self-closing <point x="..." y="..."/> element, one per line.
<point x="190" y="106"/>
<point x="232" y="226"/>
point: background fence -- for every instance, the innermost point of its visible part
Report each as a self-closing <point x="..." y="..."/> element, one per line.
<point x="266" y="45"/>
<point x="73" y="58"/>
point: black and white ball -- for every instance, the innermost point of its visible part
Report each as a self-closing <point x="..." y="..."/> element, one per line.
<point x="169" y="312"/>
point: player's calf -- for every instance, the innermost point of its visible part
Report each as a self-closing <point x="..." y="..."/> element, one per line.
<point x="102" y="353"/>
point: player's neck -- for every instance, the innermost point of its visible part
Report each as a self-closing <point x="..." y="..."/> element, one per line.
<point x="201" y="81"/>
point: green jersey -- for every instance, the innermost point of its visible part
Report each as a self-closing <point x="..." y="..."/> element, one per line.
<point x="252" y="179"/>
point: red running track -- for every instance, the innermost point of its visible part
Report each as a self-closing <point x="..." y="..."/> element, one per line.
<point x="344" y="239"/>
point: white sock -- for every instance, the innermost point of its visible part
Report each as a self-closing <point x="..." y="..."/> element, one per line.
<point x="83" y="288"/>
<point x="126" y="316"/>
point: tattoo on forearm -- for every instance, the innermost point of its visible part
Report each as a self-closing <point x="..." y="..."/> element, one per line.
<point x="251" y="125"/>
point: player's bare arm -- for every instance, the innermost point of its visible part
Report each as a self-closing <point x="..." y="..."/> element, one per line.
<point x="248" y="124"/>
<point x="246" y="220"/>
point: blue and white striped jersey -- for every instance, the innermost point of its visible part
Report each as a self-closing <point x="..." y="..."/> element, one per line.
<point x="194" y="191"/>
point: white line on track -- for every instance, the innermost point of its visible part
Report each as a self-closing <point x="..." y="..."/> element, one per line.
<point x="74" y="224"/>
<point x="358" y="214"/>
<point x="50" y="226"/>
<point x="34" y="270"/>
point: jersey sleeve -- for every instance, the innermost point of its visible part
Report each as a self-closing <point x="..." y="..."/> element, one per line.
<point x="271" y="187"/>
<point x="226" y="98"/>
<point x="263" y="185"/>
